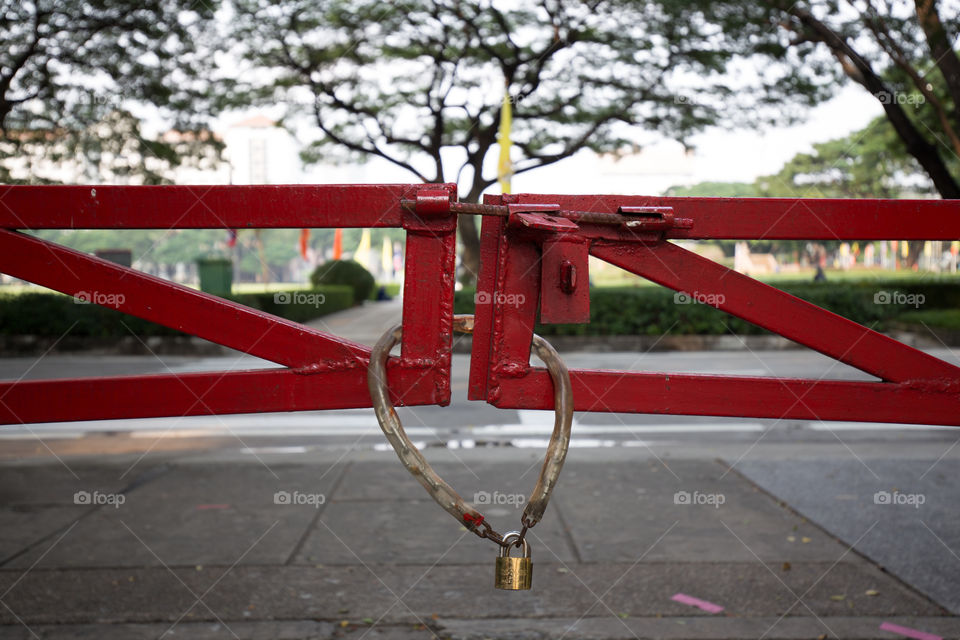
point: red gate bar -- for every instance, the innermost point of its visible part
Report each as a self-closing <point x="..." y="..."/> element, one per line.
<point x="740" y="396"/>
<point x="915" y="387"/>
<point x="206" y="207"/>
<point x="782" y="218"/>
<point x="324" y="371"/>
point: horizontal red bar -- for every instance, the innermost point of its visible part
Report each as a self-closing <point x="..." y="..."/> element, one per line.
<point x="195" y="394"/>
<point x="750" y="397"/>
<point x="786" y="218"/>
<point x="204" y="206"/>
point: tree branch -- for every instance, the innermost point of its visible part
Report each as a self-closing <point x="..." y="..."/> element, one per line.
<point x="943" y="53"/>
<point x="859" y="70"/>
<point x="893" y="49"/>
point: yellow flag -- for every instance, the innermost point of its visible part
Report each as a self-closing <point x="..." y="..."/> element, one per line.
<point x="386" y="257"/>
<point x="362" y="254"/>
<point x="504" y="168"/>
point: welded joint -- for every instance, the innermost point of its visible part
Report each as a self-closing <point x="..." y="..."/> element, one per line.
<point x="328" y="366"/>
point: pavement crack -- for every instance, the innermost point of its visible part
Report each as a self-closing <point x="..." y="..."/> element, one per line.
<point x="320" y="511"/>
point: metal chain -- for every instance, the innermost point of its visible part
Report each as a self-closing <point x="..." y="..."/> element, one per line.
<point x="416" y="464"/>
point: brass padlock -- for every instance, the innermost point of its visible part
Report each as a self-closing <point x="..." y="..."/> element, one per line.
<point x="513" y="573"/>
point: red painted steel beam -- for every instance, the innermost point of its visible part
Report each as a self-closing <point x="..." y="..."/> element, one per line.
<point x="785" y="218"/>
<point x="709" y="395"/>
<point x="173" y="305"/>
<point x="194" y="394"/>
<point x="205" y="206"/>
<point x="429" y="274"/>
<point x="778" y="311"/>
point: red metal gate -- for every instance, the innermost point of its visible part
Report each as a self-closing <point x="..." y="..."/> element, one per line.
<point x="534" y="260"/>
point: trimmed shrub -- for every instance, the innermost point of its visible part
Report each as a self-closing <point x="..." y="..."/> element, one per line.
<point x="54" y="314"/>
<point x="651" y="310"/>
<point x="345" y="272"/>
<point x="300" y="305"/>
<point x="392" y="289"/>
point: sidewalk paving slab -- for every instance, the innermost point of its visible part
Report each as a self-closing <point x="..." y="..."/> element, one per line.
<point x="917" y="539"/>
<point x="399" y="594"/>
<point x="610" y="628"/>
<point x="206" y="544"/>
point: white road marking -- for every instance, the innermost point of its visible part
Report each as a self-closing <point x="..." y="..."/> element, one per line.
<point x="872" y="426"/>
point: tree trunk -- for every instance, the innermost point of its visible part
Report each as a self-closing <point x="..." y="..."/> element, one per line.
<point x="860" y="71"/>
<point x="470" y="239"/>
<point x="470" y="256"/>
<point x="915" y="248"/>
<point x="941" y="49"/>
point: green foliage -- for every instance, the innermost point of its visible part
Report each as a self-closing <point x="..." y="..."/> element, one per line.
<point x="656" y="310"/>
<point x="578" y="75"/>
<point x="903" y="55"/>
<point x="73" y="73"/>
<point x="934" y="318"/>
<point x="56" y="315"/>
<point x="172" y="246"/>
<point x="345" y="272"/>
<point x="298" y="305"/>
<point x="869" y="163"/>
<point x="53" y="314"/>
<point x="392" y="289"/>
<point x="715" y="190"/>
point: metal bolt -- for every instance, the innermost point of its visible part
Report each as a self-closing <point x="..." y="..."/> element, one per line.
<point x="568" y="276"/>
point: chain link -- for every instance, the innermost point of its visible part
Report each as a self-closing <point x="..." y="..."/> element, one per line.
<point x="417" y="465"/>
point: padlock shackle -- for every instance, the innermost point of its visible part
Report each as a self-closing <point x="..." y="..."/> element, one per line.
<point x="507" y="544"/>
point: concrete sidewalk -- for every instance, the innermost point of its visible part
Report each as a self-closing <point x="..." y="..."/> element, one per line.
<point x="364" y="324"/>
<point x="261" y="544"/>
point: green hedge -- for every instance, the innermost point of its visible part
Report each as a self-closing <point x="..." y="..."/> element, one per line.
<point x="934" y="318"/>
<point x="53" y="314"/>
<point x="652" y="310"/>
<point x="344" y="272"/>
<point x="392" y="289"/>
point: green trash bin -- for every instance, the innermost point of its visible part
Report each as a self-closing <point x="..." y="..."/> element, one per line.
<point x="216" y="276"/>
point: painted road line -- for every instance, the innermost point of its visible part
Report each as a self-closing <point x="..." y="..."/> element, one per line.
<point x="873" y="426"/>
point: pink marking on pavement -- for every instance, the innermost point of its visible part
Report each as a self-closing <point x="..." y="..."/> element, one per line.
<point x="908" y="632"/>
<point x="204" y="507"/>
<point x="709" y="607"/>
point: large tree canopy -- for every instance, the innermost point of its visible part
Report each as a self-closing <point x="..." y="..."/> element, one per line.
<point x="420" y="83"/>
<point x="73" y="73"/>
<point x="903" y="53"/>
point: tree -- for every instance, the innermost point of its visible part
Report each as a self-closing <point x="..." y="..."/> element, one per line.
<point x="902" y="53"/>
<point x="868" y="163"/>
<point x="713" y="190"/>
<point x="73" y="73"/>
<point x="419" y="83"/>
